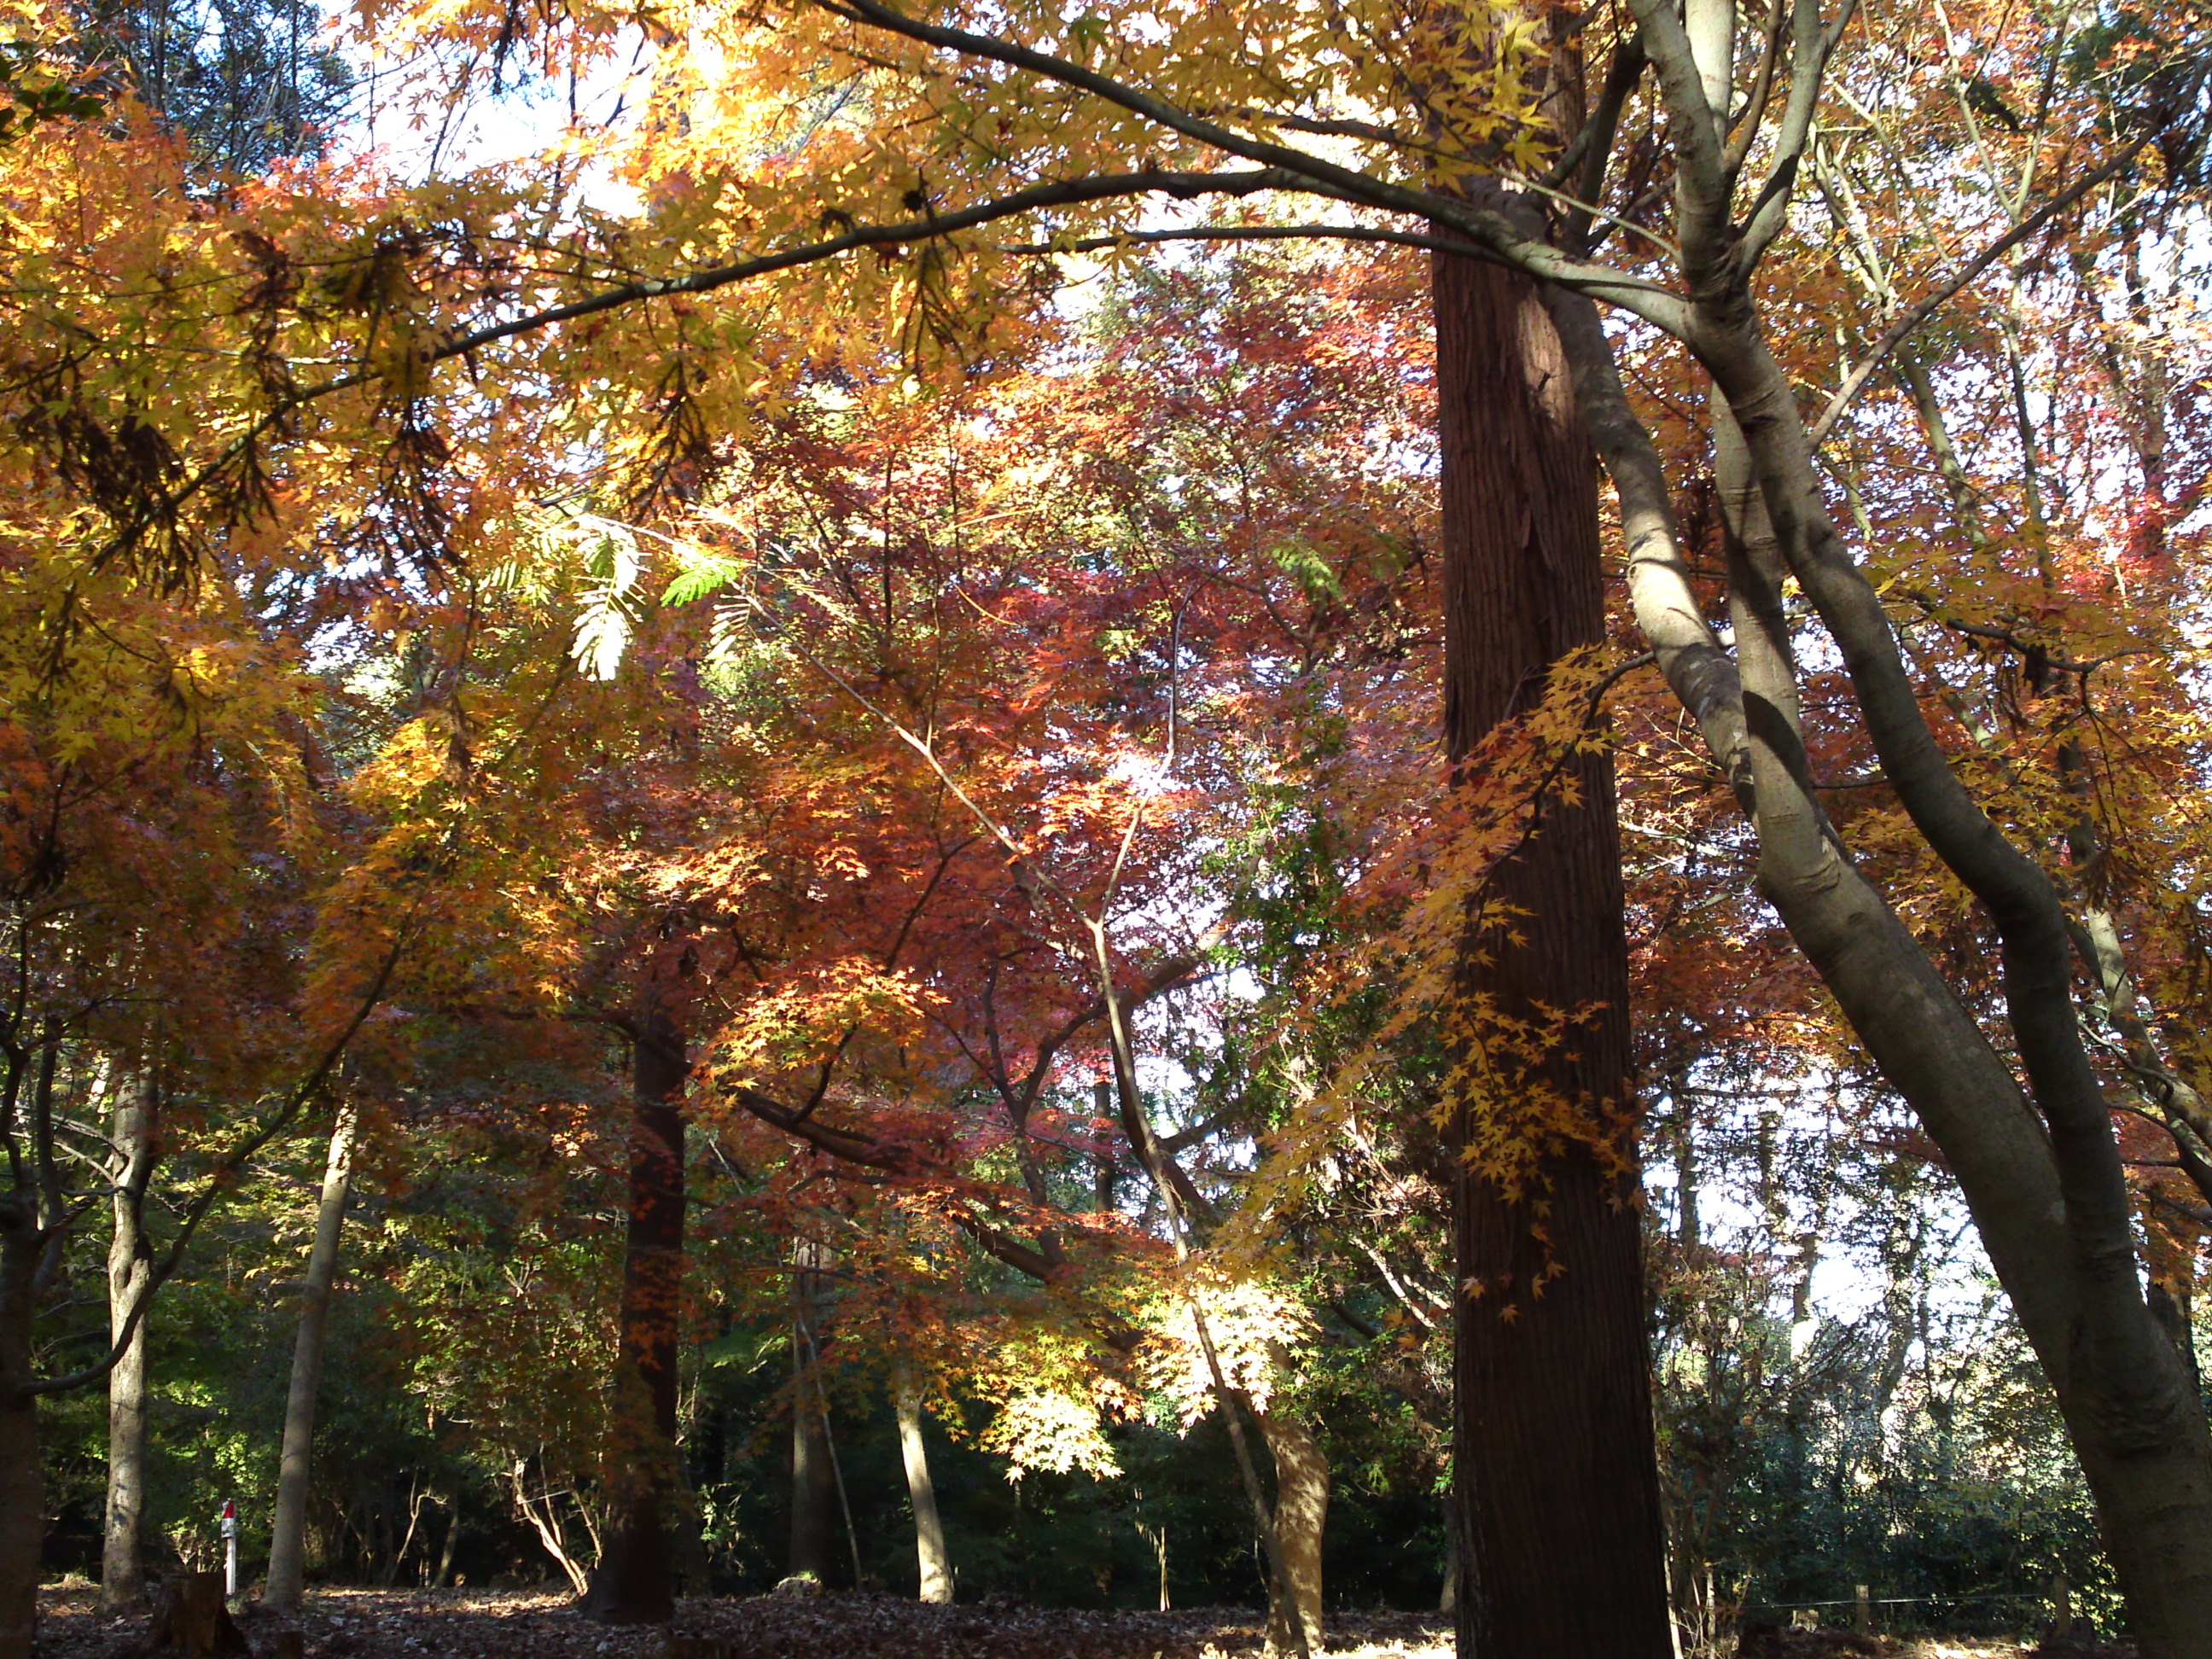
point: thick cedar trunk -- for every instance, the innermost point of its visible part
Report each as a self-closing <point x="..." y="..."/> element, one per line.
<point x="1561" y="1543"/>
<point x="1301" y="1520"/>
<point x="22" y="1491"/>
<point x="288" y="1533"/>
<point x="813" y="1481"/>
<point x="634" y="1581"/>
<point x="935" y="1564"/>
<point x="129" y="1266"/>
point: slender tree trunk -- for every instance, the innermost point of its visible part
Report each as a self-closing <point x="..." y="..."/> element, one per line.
<point x="129" y="1266"/>
<point x="544" y="1514"/>
<point x="1104" y="1173"/>
<point x="22" y="1490"/>
<point x="2043" y="1177"/>
<point x="122" y="1561"/>
<point x="814" y="1482"/>
<point x="1904" y="1237"/>
<point x="2040" y="1166"/>
<point x="287" y="1535"/>
<point x="935" y="1565"/>
<point x="1562" y="1546"/>
<point x="1301" y="1520"/>
<point x="634" y="1581"/>
<point x="1689" y="1230"/>
<point x="416" y="1498"/>
<point x="444" y="1576"/>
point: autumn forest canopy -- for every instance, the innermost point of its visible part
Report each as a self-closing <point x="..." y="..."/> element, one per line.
<point x="1388" y="804"/>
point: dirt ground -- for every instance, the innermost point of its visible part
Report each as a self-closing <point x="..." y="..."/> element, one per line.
<point x="350" y="1623"/>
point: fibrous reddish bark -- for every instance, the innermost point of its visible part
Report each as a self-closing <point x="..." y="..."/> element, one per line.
<point x="1561" y="1541"/>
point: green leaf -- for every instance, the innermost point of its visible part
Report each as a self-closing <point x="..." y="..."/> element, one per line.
<point x="1311" y="570"/>
<point x="695" y="582"/>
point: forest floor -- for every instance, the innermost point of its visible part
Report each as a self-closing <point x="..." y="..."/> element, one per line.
<point x="363" y="1624"/>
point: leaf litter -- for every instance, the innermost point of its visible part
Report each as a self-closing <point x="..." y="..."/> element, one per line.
<point x="358" y="1624"/>
<point x="473" y="1624"/>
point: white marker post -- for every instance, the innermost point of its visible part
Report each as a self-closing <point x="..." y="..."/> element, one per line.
<point x="229" y="1548"/>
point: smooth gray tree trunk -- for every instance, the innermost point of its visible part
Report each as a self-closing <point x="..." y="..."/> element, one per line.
<point x="129" y="1268"/>
<point x="934" y="1563"/>
<point x="287" y="1535"/>
<point x="444" y="1576"/>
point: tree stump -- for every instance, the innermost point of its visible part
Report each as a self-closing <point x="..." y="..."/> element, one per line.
<point x="190" y="1617"/>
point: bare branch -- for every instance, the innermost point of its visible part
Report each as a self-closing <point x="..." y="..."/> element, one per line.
<point x="1810" y="47"/>
<point x="1906" y="325"/>
<point x="1494" y="232"/>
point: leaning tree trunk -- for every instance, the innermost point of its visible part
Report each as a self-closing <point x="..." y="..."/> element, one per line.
<point x="634" y="1581"/>
<point x="130" y="1268"/>
<point x="813" y="1481"/>
<point x="1301" y="1522"/>
<point x="288" y="1533"/>
<point x="2039" y="1168"/>
<point x="934" y="1579"/>
<point x="1562" y="1546"/>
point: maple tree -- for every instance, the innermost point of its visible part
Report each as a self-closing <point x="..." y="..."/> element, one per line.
<point x="912" y="636"/>
<point x="200" y="927"/>
<point x="779" y="1008"/>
